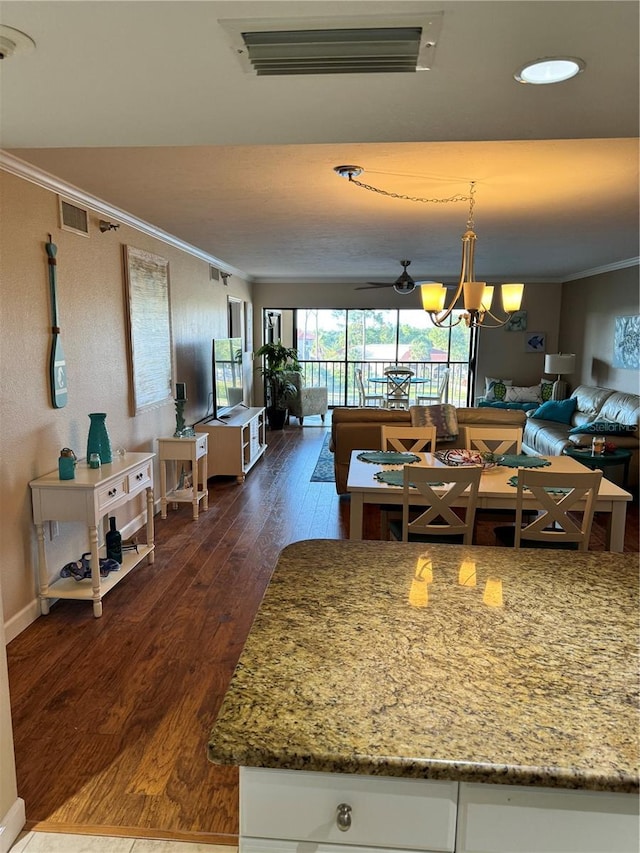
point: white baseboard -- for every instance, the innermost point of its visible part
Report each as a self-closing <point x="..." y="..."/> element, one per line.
<point x="11" y="825"/>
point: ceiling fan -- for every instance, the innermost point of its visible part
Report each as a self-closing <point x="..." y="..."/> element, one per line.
<point x="403" y="284"/>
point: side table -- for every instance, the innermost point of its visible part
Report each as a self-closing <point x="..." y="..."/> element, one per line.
<point x="602" y="460"/>
<point x="189" y="449"/>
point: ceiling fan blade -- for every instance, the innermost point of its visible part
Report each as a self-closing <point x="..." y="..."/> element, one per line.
<point x="372" y="285"/>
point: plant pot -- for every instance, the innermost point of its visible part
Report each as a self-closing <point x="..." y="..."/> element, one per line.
<point x="276" y="418"/>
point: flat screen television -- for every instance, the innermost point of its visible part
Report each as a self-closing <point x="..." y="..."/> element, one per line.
<point x="228" y="388"/>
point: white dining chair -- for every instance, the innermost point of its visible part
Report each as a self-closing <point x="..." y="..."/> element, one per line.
<point x="426" y="400"/>
<point x="436" y="518"/>
<point x="493" y="440"/>
<point x="398" y="386"/>
<point x="407" y="438"/>
<point x="364" y="398"/>
<point x="559" y="522"/>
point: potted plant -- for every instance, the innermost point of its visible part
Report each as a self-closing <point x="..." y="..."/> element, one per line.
<point x="280" y="363"/>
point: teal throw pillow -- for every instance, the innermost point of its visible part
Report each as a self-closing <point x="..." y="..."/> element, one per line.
<point x="604" y="428"/>
<point x="559" y="411"/>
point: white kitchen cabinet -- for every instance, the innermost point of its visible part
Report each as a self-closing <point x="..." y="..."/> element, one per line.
<point x="376" y="812"/>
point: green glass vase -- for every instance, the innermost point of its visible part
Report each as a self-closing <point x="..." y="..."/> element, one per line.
<point x="98" y="440"/>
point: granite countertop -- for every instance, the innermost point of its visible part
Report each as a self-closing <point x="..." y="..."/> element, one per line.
<point x="443" y="662"/>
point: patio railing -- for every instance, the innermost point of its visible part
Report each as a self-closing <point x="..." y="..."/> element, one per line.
<point x="339" y="378"/>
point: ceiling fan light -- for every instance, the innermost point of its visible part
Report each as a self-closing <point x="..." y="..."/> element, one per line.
<point x="549" y="69"/>
<point x="433" y="295"/>
<point x="512" y="297"/>
<point x="474" y="295"/>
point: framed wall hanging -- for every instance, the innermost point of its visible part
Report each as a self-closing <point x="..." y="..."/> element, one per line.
<point x="626" y="342"/>
<point x="149" y="320"/>
<point x="535" y="342"/>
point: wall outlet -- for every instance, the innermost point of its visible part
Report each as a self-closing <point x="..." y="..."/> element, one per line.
<point x="54" y="530"/>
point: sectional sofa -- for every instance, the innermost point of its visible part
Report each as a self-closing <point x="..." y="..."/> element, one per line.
<point x="613" y="414"/>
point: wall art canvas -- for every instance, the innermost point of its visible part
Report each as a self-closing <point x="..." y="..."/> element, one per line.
<point x="626" y="342"/>
<point x="147" y="280"/>
<point x="534" y="342"/>
<point x="517" y="322"/>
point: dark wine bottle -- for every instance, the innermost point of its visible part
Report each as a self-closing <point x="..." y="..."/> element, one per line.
<point x="113" y="541"/>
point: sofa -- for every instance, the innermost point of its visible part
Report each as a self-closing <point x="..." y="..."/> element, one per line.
<point x="359" y="429"/>
<point x="616" y="413"/>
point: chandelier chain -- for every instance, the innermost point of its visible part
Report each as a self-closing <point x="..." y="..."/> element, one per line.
<point x="453" y="198"/>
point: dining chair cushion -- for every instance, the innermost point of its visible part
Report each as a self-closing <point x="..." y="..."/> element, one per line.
<point x="442" y="416"/>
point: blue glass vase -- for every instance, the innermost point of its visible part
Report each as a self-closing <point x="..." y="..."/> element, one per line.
<point x="98" y="440"/>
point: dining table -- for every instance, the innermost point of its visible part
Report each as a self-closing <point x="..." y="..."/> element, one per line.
<point x="497" y="489"/>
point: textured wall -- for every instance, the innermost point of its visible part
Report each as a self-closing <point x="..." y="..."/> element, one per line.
<point x="92" y="312"/>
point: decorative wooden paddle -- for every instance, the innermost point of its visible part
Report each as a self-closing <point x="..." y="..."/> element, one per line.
<point x="57" y="363"/>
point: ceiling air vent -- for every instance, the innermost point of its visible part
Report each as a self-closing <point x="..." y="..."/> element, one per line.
<point x="341" y="46"/>
<point x="73" y="218"/>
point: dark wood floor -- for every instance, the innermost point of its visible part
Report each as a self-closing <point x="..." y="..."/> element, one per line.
<point x="111" y="715"/>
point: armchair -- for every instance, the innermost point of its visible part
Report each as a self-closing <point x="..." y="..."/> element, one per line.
<point x="308" y="401"/>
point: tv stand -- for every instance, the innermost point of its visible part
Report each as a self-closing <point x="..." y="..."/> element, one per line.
<point x="236" y="443"/>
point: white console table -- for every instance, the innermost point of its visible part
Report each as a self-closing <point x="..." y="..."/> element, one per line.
<point x="90" y="497"/>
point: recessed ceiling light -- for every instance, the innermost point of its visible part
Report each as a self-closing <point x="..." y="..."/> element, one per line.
<point x="550" y="69"/>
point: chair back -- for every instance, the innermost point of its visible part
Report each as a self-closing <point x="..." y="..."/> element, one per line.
<point x="439" y="518"/>
<point x="398" y="386"/>
<point x="359" y="384"/>
<point x="442" y="389"/>
<point x="493" y="440"/>
<point x="565" y="503"/>
<point x="407" y="438"/>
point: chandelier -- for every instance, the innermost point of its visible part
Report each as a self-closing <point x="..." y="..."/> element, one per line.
<point x="477" y="295"/>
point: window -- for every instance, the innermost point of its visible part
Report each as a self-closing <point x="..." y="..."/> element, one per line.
<point x="332" y="343"/>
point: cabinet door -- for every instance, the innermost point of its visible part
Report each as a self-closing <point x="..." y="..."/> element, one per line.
<point x="512" y="819"/>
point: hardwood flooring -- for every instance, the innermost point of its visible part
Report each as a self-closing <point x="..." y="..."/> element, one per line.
<point x="111" y="715"/>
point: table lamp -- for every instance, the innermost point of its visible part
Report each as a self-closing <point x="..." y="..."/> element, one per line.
<point x="560" y="363"/>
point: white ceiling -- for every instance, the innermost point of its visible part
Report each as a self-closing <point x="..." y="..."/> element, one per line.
<point x="146" y="106"/>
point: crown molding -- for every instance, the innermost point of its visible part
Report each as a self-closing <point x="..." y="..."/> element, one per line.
<point x="617" y="265"/>
<point x="22" y="169"/>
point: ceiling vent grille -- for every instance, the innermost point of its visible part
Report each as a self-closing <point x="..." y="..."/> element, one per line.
<point x="341" y="46"/>
<point x="73" y="218"/>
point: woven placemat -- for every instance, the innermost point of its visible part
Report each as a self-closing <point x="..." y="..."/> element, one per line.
<point x="515" y="460"/>
<point x="555" y="490"/>
<point x="388" y="457"/>
<point x="395" y="478"/>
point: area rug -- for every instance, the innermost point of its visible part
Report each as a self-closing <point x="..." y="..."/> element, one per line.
<point x="323" y="472"/>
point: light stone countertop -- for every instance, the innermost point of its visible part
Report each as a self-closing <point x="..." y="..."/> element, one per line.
<point x="442" y="662"/>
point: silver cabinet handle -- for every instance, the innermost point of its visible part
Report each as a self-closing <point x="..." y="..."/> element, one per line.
<point x="343" y="817"/>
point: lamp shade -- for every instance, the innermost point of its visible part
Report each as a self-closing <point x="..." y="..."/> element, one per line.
<point x="559" y="363"/>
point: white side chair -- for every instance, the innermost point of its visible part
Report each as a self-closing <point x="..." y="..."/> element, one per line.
<point x="364" y="398"/>
<point x="488" y="440"/>
<point x="437" y="519"/>
<point x="560" y="522"/>
<point x="423" y="400"/>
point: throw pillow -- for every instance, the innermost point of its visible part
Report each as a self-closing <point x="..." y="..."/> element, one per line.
<point x="559" y="411"/>
<point x="495" y="389"/>
<point x="523" y="394"/>
<point x="443" y="417"/>
<point x="604" y="428"/>
<point x="546" y="390"/>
